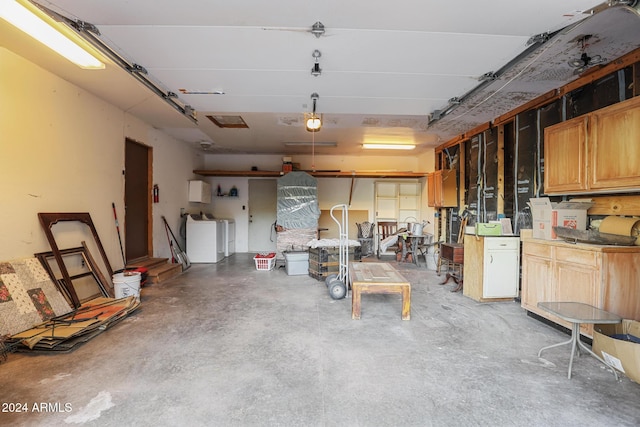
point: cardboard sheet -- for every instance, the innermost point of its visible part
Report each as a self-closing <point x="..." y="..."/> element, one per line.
<point x="87" y="321"/>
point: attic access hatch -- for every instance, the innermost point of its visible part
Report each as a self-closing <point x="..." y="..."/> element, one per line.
<point x="221" y="121"/>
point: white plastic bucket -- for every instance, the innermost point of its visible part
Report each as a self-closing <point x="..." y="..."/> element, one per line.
<point x="127" y="284"/>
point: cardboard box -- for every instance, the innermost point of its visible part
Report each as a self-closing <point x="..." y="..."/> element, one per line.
<point x="488" y="229"/>
<point x="619" y="346"/>
<point x="546" y="215"/>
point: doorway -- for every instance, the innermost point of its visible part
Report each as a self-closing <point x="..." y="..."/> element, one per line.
<point x="137" y="200"/>
<point x="263" y="196"/>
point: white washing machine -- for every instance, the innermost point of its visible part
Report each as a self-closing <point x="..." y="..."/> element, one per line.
<point x="205" y="239"/>
<point x="229" y="236"/>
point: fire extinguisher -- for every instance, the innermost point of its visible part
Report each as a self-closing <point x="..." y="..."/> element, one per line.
<point x="156" y="193"/>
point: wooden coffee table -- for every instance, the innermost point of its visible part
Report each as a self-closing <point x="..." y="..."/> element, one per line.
<point x="377" y="278"/>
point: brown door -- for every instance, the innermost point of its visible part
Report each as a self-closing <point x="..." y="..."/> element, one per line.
<point x="137" y="198"/>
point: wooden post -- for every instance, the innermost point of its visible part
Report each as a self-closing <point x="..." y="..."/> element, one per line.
<point x="500" y="189"/>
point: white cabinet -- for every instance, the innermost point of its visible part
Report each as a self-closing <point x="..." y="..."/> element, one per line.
<point x="491" y="267"/>
<point x="501" y="267"/>
<point x="199" y="191"/>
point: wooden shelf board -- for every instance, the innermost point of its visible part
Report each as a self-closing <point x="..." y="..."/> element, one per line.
<point x="317" y="174"/>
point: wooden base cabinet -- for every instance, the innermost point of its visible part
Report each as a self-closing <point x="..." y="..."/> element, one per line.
<point x="491" y="268"/>
<point x="607" y="277"/>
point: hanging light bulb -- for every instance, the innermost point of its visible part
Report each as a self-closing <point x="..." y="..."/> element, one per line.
<point x="314" y="122"/>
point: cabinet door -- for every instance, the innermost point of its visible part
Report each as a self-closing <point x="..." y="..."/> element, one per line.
<point x="615" y="146"/>
<point x="437" y="188"/>
<point x="431" y="189"/>
<point x="449" y="188"/>
<point x="537" y="275"/>
<point x="442" y="188"/>
<point x="565" y="156"/>
<point x="501" y="271"/>
<point x="576" y="283"/>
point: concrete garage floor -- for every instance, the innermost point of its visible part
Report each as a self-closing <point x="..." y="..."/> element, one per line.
<point x="226" y="345"/>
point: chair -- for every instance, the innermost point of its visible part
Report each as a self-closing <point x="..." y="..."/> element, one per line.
<point x="386" y="229"/>
<point x="365" y="237"/>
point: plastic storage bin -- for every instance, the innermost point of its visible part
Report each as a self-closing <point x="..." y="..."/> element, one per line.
<point x="296" y="263"/>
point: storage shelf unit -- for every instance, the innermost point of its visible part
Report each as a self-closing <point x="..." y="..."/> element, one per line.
<point x="398" y="200"/>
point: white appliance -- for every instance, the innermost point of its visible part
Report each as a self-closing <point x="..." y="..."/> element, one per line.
<point x="229" y="236"/>
<point x="205" y="242"/>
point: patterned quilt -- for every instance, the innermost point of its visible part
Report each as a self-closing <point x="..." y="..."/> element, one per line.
<point x="27" y="296"/>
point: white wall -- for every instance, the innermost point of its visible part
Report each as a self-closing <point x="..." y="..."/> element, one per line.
<point x="62" y="150"/>
<point x="331" y="191"/>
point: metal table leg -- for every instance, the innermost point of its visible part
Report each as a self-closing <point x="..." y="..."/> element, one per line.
<point x="576" y="345"/>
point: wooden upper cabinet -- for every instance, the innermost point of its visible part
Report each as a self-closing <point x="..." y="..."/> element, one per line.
<point x="615" y="146"/>
<point x="442" y="188"/>
<point x="565" y="156"/>
<point x="597" y="152"/>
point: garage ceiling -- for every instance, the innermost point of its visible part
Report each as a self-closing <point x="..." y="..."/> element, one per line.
<point x="419" y="71"/>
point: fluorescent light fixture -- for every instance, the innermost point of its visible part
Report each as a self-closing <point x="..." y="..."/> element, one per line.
<point x="309" y="144"/>
<point x="33" y="21"/>
<point x="389" y="146"/>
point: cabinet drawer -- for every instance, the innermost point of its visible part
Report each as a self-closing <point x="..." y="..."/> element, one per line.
<point x="543" y="251"/>
<point x="500" y="243"/>
<point x="577" y="256"/>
